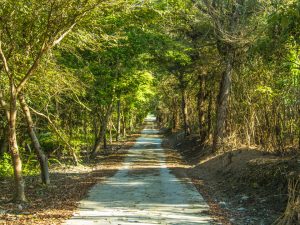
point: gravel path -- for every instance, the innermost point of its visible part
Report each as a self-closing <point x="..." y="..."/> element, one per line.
<point x="143" y="191"/>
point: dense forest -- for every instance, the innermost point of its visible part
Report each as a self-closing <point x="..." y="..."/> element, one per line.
<point x="78" y="75"/>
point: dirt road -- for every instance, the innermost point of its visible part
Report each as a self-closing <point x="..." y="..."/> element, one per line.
<point x="143" y="191"/>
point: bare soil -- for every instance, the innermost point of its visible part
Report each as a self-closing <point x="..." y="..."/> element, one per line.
<point x="243" y="187"/>
<point x="56" y="202"/>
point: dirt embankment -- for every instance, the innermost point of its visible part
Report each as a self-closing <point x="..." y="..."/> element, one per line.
<point x="244" y="186"/>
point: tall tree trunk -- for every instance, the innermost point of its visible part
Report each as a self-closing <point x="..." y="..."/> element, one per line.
<point x="13" y="147"/>
<point x="182" y="85"/>
<point x="118" y="120"/>
<point x="43" y="160"/>
<point x="174" y="120"/>
<point x="209" y="111"/>
<point x="85" y="122"/>
<point x="187" y="130"/>
<point x="124" y="125"/>
<point x="200" y="107"/>
<point x="103" y="128"/>
<point x="110" y="132"/>
<point x="104" y="142"/>
<point x="222" y="103"/>
<point x="175" y="116"/>
<point x="100" y="137"/>
<point x="131" y="123"/>
<point x="95" y="127"/>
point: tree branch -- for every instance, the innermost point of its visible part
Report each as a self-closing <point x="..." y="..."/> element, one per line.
<point x="53" y="126"/>
<point x="6" y="68"/>
<point x="58" y="40"/>
<point x="33" y="67"/>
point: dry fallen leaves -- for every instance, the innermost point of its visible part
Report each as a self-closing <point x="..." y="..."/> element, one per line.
<point x="57" y="202"/>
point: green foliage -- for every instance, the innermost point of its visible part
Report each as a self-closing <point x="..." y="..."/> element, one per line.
<point x="283" y="22"/>
<point x="6" y="169"/>
<point x="49" y="141"/>
<point x="31" y="166"/>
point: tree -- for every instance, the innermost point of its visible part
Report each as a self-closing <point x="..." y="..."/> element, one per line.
<point x="29" y="30"/>
<point x="231" y="22"/>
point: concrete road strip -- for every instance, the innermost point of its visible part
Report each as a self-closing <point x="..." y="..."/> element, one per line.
<point x="143" y="191"/>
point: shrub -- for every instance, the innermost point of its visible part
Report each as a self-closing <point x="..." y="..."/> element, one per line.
<point x="6" y="169"/>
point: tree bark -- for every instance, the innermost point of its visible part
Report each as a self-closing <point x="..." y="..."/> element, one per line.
<point x="175" y="120"/>
<point x="118" y="120"/>
<point x="43" y="160"/>
<point x="104" y="142"/>
<point x="186" y="125"/>
<point x="124" y="125"/>
<point x="95" y="127"/>
<point x="11" y="114"/>
<point x="13" y="147"/>
<point x="222" y="103"/>
<point x="200" y="106"/>
<point x="104" y="123"/>
<point x="187" y="130"/>
<point x="100" y="138"/>
<point x="110" y="132"/>
<point x="74" y="157"/>
<point x="131" y="123"/>
<point x="84" y="122"/>
<point x="175" y="116"/>
<point x="209" y="111"/>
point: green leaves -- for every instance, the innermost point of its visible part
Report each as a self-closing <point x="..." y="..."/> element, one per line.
<point x="6" y="169"/>
<point x="265" y="90"/>
<point x="179" y="57"/>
